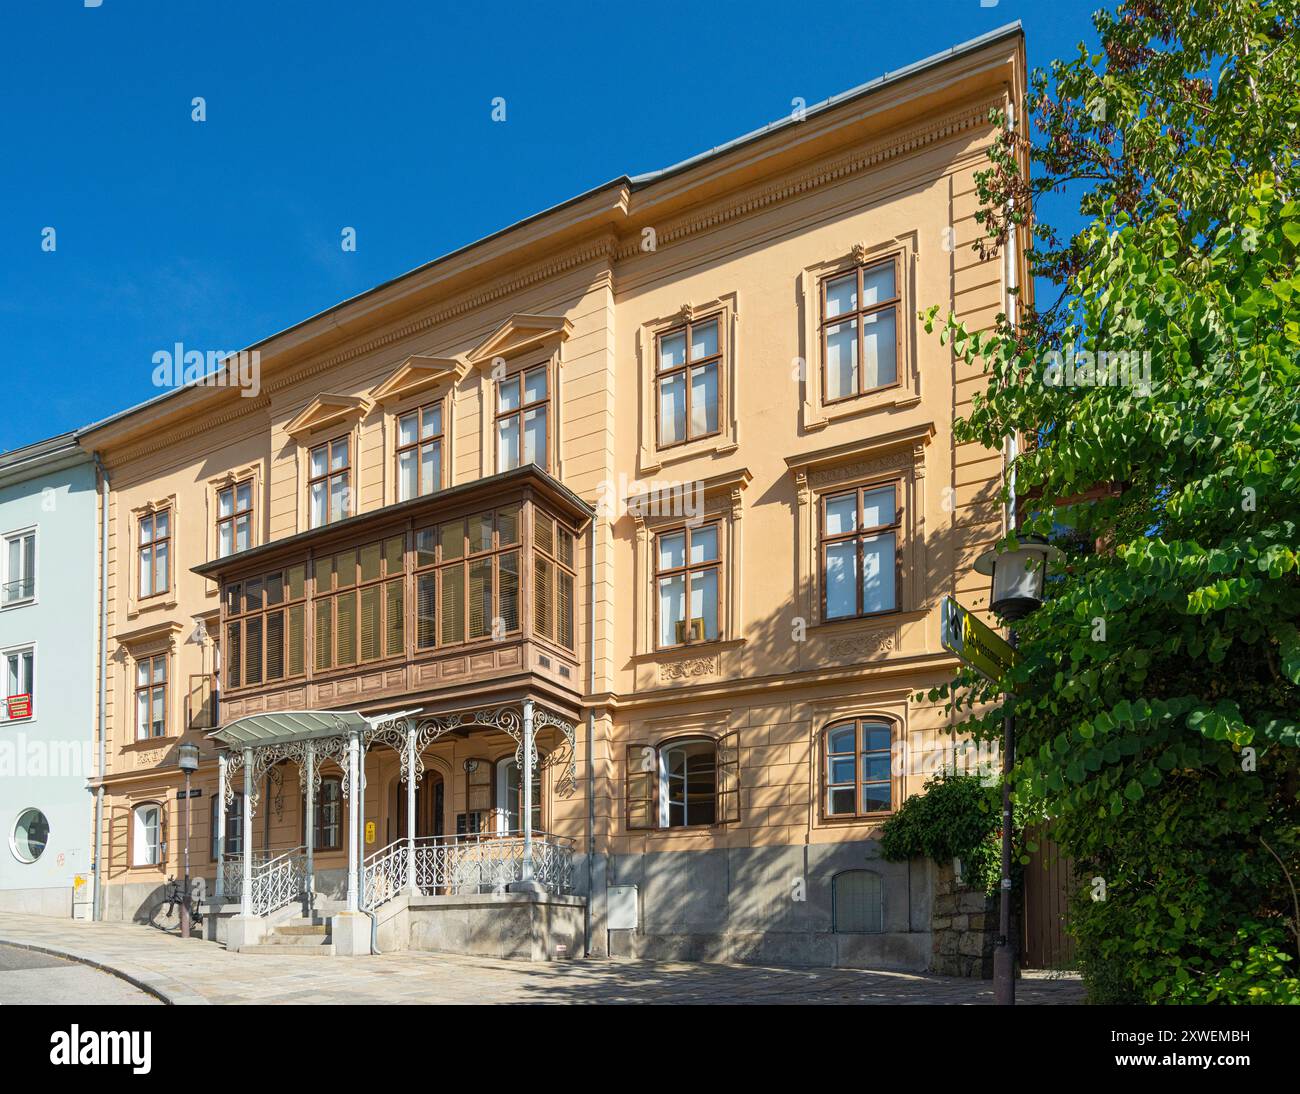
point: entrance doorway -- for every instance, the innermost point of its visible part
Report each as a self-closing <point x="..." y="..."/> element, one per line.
<point x="430" y="800"/>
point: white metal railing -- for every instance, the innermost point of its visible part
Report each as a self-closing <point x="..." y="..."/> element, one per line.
<point x="278" y="880"/>
<point x="232" y="868"/>
<point x="456" y="865"/>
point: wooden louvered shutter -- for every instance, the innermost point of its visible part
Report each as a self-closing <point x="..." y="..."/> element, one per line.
<point x="640" y="786"/>
<point x="728" y="778"/>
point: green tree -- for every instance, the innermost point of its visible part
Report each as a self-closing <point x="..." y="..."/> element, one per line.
<point x="1158" y="693"/>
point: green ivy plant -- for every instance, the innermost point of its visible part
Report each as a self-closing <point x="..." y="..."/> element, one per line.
<point x="956" y="817"/>
<point x="1158" y="689"/>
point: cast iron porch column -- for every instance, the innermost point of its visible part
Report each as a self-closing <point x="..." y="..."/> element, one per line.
<point x="412" y="884"/>
<point x="354" y="779"/>
<point x="309" y="822"/>
<point x="246" y="882"/>
<point x="222" y="777"/>
<point x="527" y="883"/>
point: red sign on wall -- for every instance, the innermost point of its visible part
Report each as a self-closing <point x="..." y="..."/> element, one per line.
<point x="20" y="706"/>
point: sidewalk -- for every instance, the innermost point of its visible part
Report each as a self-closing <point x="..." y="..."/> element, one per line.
<point x="198" y="972"/>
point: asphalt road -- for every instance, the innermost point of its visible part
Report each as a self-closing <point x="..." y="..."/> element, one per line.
<point x="38" y="979"/>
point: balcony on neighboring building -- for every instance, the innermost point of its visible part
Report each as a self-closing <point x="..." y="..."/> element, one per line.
<point x="465" y="595"/>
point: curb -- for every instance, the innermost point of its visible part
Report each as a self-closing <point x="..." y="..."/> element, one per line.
<point x="163" y="988"/>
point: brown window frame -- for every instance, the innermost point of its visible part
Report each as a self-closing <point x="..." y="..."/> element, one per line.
<point x="328" y="479"/>
<point x="643" y="787"/>
<point x="387" y="575"/>
<point x="685" y="368"/>
<point x="551" y="564"/>
<point x="235" y="514"/>
<point x="498" y="415"/>
<point x="417" y="446"/>
<point x="687" y="568"/>
<point x="859" y="535"/>
<point x="151" y="686"/>
<point x="318" y="803"/>
<point x="235" y="833"/>
<point x="895" y="302"/>
<point x="236" y="616"/>
<point x="859" y="724"/>
<point x="441" y="565"/>
<point x="151" y="520"/>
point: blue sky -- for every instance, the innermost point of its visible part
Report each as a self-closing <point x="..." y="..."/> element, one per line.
<point x="330" y="114"/>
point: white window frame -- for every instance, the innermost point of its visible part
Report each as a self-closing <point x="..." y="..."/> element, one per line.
<point x="6" y="577"/>
<point x="503" y="809"/>
<point x="664" y="805"/>
<point x="154" y="851"/>
<point x="5" y="654"/>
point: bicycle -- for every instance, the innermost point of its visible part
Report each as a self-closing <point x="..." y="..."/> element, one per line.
<point x="166" y="912"/>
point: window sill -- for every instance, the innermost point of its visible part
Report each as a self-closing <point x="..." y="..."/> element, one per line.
<point x="695" y="649"/>
<point x="25" y="602"/>
<point x="142" y="744"/>
<point x="717" y="445"/>
<point x="890" y="398"/>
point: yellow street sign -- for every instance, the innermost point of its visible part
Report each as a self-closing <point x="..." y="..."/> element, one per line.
<point x="370" y="831"/>
<point x="973" y="641"/>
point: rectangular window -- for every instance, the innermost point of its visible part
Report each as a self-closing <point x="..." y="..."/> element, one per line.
<point x="235" y="518"/>
<point x="329" y="482"/>
<point x="856" y="769"/>
<point x="467" y="580"/>
<point x="327" y="829"/>
<point x="360" y="604"/>
<point x="154" y="553"/>
<point x="19" y="682"/>
<point x="151" y="697"/>
<point x="234" y="827"/>
<point x="419" y="452"/>
<point x="18" y="581"/>
<point x="687" y="583"/>
<point x="523" y="406"/>
<point x="266" y="628"/>
<point x="553" y="580"/>
<point x="686" y="377"/>
<point x="859" y="549"/>
<point x="859" y="330"/>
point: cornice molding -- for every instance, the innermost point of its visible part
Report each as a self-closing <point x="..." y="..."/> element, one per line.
<point x="327" y="409"/>
<point x="832" y="171"/>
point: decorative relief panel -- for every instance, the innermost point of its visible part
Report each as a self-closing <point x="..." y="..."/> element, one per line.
<point x="863" y="643"/>
<point x="689" y="668"/>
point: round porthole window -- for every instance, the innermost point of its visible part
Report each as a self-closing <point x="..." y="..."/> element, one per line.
<point x="31" y="834"/>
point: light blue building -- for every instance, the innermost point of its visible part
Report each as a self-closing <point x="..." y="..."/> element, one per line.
<point x="48" y="613"/>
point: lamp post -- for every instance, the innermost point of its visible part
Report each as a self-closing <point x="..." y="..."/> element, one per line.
<point x="1017" y="591"/>
<point x="187" y="759"/>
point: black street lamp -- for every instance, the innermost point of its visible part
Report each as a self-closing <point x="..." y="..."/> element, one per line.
<point x="1017" y="591"/>
<point x="187" y="759"/>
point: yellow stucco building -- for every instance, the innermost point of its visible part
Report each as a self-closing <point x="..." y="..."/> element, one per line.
<point x="661" y="481"/>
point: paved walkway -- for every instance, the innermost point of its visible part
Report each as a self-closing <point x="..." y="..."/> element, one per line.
<point x="203" y="972"/>
<point x="30" y="978"/>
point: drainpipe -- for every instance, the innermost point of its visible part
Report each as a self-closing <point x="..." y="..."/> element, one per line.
<point x="591" y="734"/>
<point x="1013" y="314"/>
<point x="97" y="910"/>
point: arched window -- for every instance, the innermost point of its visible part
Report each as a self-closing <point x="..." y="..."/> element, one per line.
<point x="146" y="835"/>
<point x="234" y="826"/>
<point x="510" y="797"/>
<point x="857" y="902"/>
<point x="327" y="833"/>
<point x="856" y="768"/>
<point x="683" y="783"/>
<point x="688" y="783"/>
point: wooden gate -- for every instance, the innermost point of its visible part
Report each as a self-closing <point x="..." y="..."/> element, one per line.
<point x="1045" y="939"/>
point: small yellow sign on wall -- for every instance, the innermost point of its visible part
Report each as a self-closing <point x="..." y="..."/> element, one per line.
<point x="370" y="831"/>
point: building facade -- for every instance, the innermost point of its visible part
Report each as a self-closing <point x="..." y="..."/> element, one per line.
<point x="48" y="613"/>
<point x="666" y="473"/>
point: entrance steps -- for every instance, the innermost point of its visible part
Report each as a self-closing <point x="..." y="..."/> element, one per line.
<point x="296" y="938"/>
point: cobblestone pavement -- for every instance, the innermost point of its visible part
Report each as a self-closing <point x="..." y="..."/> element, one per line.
<point x="203" y="972"/>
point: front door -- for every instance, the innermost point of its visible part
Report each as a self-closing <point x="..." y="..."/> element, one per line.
<point x="429" y="806"/>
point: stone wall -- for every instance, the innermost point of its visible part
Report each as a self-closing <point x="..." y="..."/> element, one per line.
<point x="963" y="927"/>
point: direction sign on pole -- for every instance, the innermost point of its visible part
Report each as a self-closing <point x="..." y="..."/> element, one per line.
<point x="973" y="641"/>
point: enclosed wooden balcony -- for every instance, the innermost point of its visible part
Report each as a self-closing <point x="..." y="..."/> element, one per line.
<point x="448" y="598"/>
